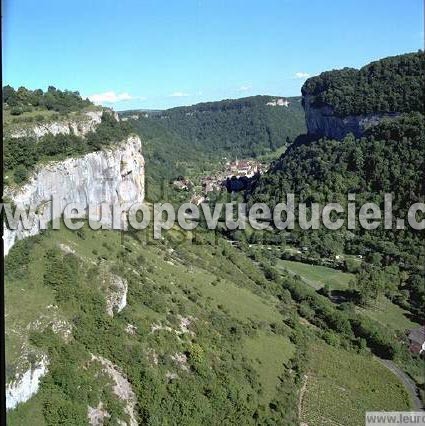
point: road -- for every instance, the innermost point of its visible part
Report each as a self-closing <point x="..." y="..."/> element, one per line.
<point x="406" y="380"/>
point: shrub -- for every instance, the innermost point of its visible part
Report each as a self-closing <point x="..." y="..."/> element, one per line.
<point x="20" y="174"/>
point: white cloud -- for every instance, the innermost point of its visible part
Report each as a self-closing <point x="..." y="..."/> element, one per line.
<point x="245" y="88"/>
<point x="179" y="95"/>
<point x="302" y="75"/>
<point x="111" y="97"/>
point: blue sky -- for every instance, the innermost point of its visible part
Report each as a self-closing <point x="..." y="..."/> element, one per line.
<point x="157" y="54"/>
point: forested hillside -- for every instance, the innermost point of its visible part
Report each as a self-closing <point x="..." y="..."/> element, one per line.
<point x="179" y="140"/>
<point x="166" y="153"/>
<point x="205" y="336"/>
<point x="245" y="127"/>
<point x="388" y="159"/>
<point x="393" y="84"/>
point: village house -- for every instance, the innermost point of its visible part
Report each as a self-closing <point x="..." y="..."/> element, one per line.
<point x="197" y="199"/>
<point x="242" y="168"/>
<point x="278" y="102"/>
<point x="417" y="340"/>
<point x="182" y="184"/>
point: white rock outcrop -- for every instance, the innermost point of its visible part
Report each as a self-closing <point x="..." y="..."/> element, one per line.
<point x="113" y="175"/>
<point x="80" y="126"/>
<point x="116" y="298"/>
<point x="121" y="388"/>
<point x="97" y="415"/>
<point x="26" y="385"/>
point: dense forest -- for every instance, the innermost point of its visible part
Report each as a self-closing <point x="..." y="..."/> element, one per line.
<point x="393" y="84"/>
<point x="388" y="159"/>
<point x="25" y="100"/>
<point x="166" y="153"/>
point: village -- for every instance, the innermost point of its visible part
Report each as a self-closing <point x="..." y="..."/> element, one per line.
<point x="237" y="172"/>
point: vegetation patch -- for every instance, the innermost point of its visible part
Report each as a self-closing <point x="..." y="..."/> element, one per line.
<point x="269" y="354"/>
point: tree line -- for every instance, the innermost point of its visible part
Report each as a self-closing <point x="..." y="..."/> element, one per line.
<point x="26" y="100"/>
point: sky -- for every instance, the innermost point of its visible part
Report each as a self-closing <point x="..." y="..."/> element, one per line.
<point x="131" y="54"/>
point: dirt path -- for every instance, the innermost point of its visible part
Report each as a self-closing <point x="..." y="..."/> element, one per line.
<point x="408" y="383"/>
<point x="300" y="401"/>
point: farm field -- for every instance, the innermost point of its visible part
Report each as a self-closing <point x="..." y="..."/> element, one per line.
<point x="341" y="386"/>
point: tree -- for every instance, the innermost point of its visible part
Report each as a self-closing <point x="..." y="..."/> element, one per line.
<point x="369" y="284"/>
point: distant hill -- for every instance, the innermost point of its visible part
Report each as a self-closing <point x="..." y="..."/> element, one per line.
<point x="245" y="127"/>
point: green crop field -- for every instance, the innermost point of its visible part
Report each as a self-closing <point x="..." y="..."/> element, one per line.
<point x="383" y="310"/>
<point x="341" y="386"/>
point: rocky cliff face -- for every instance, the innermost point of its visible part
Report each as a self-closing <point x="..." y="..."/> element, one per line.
<point x="80" y="126"/>
<point x="110" y="176"/>
<point x="25" y="386"/>
<point x="322" y="121"/>
<point x="116" y="294"/>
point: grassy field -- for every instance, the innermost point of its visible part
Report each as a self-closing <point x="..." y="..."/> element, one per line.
<point x="341" y="386"/>
<point x="388" y="314"/>
<point x="269" y="353"/>
<point x="239" y="302"/>
<point x="318" y="276"/>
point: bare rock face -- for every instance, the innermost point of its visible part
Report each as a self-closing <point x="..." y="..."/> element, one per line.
<point x="116" y="299"/>
<point x="121" y="388"/>
<point x="323" y="122"/>
<point x="25" y="385"/>
<point x="86" y="123"/>
<point x="113" y="175"/>
<point x="97" y="415"/>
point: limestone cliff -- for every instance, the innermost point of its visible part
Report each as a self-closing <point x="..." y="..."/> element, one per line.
<point x="25" y="386"/>
<point x="113" y="175"/>
<point x="78" y="125"/>
<point x="323" y="122"/>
